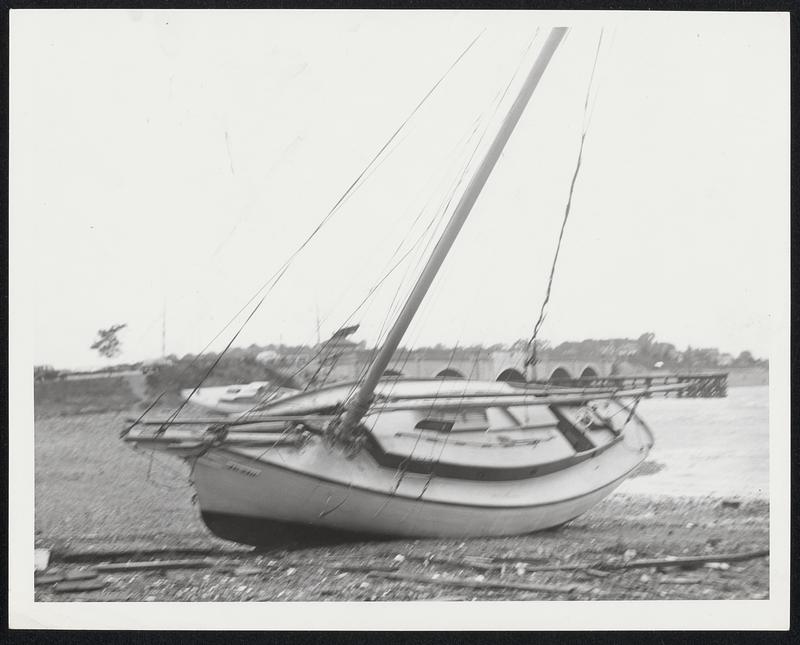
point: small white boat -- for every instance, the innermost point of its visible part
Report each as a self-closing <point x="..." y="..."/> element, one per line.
<point x="235" y="399"/>
<point x="487" y="459"/>
<point x="403" y="457"/>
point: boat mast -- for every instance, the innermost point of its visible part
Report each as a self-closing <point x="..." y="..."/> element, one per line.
<point x="357" y="407"/>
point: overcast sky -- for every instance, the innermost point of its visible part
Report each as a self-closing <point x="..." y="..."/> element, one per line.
<point x="181" y="157"/>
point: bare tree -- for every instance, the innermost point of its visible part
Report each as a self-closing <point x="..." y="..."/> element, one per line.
<point x="107" y="343"/>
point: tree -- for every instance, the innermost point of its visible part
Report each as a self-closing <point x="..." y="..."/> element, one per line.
<point x="645" y="343"/>
<point x="745" y="359"/>
<point x="107" y="343"/>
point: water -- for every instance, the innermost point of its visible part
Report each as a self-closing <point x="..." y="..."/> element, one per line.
<point x="705" y="447"/>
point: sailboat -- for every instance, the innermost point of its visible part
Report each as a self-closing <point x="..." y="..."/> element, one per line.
<point x="410" y="457"/>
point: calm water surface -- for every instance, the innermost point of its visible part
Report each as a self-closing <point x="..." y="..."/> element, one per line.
<point x="708" y="446"/>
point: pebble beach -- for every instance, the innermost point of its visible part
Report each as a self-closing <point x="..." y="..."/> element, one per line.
<point x="121" y="525"/>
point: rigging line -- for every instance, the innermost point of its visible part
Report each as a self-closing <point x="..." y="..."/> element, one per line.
<point x="403" y="363"/>
<point x="182" y="298"/>
<point x="150" y="459"/>
<point x="447" y="435"/>
<point x="411" y="249"/>
<point x="375" y="287"/>
<point x="372" y="162"/>
<point x="437" y="220"/>
<point x="530" y="348"/>
<point x="475" y="128"/>
<point x="594" y="67"/>
<point x="408" y="233"/>
<point x="175" y="414"/>
<point x="519" y="65"/>
<point x="378" y="343"/>
<point x="401" y="466"/>
<point x="194" y="360"/>
<point x="365" y="300"/>
<point x="609" y="47"/>
<point x="279" y="273"/>
<point x="405" y="461"/>
<point x="460" y="181"/>
<point x="497" y="102"/>
<point x="587" y="114"/>
<point x="425" y="206"/>
<point x="322" y="349"/>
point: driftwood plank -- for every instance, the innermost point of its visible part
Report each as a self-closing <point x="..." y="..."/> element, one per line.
<point x="153" y="564"/>
<point x="477" y="584"/>
<point x="79" y="585"/>
<point x="47" y="579"/>
<point x="688" y="560"/>
<point x="657" y="562"/>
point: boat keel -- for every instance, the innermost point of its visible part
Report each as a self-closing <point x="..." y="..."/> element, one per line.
<point x="264" y="533"/>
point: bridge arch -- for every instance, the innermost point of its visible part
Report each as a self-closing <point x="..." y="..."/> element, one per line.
<point x="589" y="372"/>
<point x="511" y="375"/>
<point x="449" y="373"/>
<point x="560" y="373"/>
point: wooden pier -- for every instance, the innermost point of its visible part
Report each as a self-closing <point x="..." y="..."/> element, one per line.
<point x="700" y="385"/>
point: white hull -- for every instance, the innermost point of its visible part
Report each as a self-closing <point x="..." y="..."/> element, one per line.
<point x="319" y="486"/>
<point x="526" y="468"/>
<point x="285" y="496"/>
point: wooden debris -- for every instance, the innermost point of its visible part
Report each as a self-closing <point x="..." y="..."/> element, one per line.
<point x="154" y="564"/>
<point x="351" y="568"/>
<point x="47" y="579"/>
<point x="457" y="562"/>
<point x="721" y="566"/>
<point x="477" y="584"/>
<point x="564" y="567"/>
<point x="247" y="571"/>
<point x="688" y="560"/>
<point x="86" y="574"/>
<point x="680" y="580"/>
<point x="41" y="559"/>
<point x="79" y="585"/>
<point x="517" y="559"/>
<point x="132" y="552"/>
<point x="105" y="596"/>
<point x="595" y="572"/>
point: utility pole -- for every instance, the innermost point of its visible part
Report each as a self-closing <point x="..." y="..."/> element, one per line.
<point x="318" y="336"/>
<point x="164" y="330"/>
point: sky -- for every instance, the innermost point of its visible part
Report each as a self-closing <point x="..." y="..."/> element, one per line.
<point x="173" y="161"/>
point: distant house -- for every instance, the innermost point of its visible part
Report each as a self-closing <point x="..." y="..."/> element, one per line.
<point x="725" y="360"/>
<point x="44" y="372"/>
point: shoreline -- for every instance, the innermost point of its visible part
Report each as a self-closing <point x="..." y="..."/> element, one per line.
<point x="584" y="553"/>
<point x="95" y="495"/>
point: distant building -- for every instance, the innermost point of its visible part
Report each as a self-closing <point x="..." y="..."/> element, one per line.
<point x="725" y="360"/>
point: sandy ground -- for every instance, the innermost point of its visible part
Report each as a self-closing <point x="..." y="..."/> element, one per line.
<point x="99" y="501"/>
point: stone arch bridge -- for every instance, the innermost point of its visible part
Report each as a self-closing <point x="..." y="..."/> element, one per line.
<point x="468" y="363"/>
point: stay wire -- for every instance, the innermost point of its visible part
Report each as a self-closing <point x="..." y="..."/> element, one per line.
<point x="279" y="273"/>
<point x="437" y="220"/>
<point x="440" y="218"/>
<point x="498" y="100"/>
<point x="369" y="169"/>
<point x="530" y="348"/>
